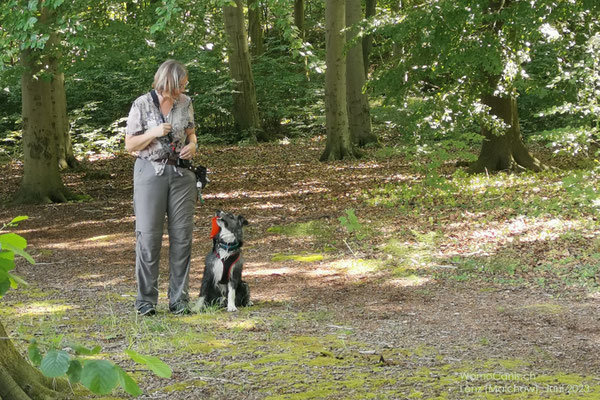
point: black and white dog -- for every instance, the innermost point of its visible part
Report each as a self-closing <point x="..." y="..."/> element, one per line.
<point x="222" y="281"/>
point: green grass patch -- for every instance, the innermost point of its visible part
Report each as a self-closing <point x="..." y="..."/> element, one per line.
<point x="534" y="194"/>
<point x="308" y="258"/>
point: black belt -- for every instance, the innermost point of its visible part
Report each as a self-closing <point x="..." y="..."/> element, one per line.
<point x="168" y="161"/>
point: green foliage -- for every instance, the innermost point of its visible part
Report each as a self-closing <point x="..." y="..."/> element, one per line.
<point x="447" y="54"/>
<point x="565" y="192"/>
<point x="153" y="363"/>
<point x="55" y="363"/>
<point x="564" y="71"/>
<point x="570" y="141"/>
<point x="352" y="225"/>
<point x="583" y="187"/>
<point x="99" y="376"/>
<point x="289" y="104"/>
<point x="11" y="244"/>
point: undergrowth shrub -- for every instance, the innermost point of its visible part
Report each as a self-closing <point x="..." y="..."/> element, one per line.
<point x="63" y="358"/>
<point x="290" y="104"/>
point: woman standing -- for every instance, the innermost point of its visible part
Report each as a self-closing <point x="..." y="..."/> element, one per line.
<point x="160" y="129"/>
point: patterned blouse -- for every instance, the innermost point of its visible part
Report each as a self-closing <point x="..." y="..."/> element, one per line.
<point x="145" y="115"/>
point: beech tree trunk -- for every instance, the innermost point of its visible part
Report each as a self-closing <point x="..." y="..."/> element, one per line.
<point x="245" y="107"/>
<point x="506" y="151"/>
<point x="255" y="28"/>
<point x="58" y="99"/>
<point x="359" y="115"/>
<point x="339" y="142"/>
<point x="41" y="181"/>
<point x="367" y="42"/>
<point x="299" y="16"/>
<point x="21" y="381"/>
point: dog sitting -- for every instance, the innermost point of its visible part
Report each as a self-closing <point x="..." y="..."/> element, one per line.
<point x="222" y="281"/>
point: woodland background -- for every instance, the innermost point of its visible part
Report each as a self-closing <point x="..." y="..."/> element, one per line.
<point x="421" y="179"/>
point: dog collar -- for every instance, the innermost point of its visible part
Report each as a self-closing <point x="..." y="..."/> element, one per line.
<point x="230" y="246"/>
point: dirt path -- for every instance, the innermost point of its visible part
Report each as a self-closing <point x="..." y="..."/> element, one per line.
<point x="334" y="327"/>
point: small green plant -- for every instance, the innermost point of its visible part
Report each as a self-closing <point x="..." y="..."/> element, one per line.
<point x="99" y="376"/>
<point x="352" y="225"/>
<point x="582" y="186"/>
<point x="11" y="244"/>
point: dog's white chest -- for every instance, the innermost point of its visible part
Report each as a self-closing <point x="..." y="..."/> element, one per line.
<point x="217" y="270"/>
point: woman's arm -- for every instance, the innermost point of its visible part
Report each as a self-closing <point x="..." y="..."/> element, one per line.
<point x="140" y="142"/>
<point x="189" y="150"/>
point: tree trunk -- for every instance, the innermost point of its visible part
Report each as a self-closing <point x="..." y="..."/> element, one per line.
<point x="506" y="151"/>
<point x="299" y="16"/>
<point x="359" y="115"/>
<point x="255" y="28"/>
<point x="245" y="108"/>
<point x="367" y="42"/>
<point x="41" y="181"/>
<point x="58" y="99"/>
<point x="339" y="143"/>
<point x="299" y="22"/>
<point x="21" y="381"/>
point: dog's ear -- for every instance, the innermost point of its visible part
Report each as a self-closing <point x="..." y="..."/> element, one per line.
<point x="242" y="220"/>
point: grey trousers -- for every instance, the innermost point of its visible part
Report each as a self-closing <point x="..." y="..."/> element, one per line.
<point x="153" y="197"/>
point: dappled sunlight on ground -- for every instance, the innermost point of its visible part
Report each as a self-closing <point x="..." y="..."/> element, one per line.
<point x="43" y="307"/>
<point x="264" y="194"/>
<point x="520" y="229"/>
<point x="419" y="292"/>
<point x="355" y="267"/>
<point x="411" y="280"/>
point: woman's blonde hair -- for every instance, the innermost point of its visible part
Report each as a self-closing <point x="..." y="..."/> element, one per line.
<point x="168" y="77"/>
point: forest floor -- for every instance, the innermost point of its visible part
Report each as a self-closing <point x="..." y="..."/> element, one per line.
<point x="484" y="289"/>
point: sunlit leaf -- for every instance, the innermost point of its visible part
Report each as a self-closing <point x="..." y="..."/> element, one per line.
<point x="156" y="365"/>
<point x="34" y="353"/>
<point x="74" y="371"/>
<point x="55" y="363"/>
<point x="99" y="376"/>
<point x="18" y="219"/>
<point x="127" y="382"/>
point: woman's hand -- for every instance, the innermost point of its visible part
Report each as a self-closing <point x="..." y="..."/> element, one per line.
<point x="160" y="130"/>
<point x="188" y="151"/>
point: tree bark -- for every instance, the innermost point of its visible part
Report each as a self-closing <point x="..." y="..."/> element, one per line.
<point x="339" y="142"/>
<point x="506" y="151"/>
<point x="359" y="115"/>
<point x="299" y="16"/>
<point x="255" y="28"/>
<point x="245" y="107"/>
<point x="21" y="381"/>
<point x="41" y="181"/>
<point x="367" y="42"/>
<point x="58" y="99"/>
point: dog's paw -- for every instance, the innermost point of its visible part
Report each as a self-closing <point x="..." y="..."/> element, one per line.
<point x="232" y="308"/>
